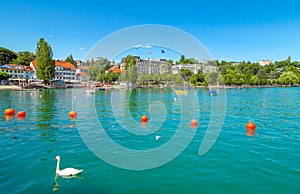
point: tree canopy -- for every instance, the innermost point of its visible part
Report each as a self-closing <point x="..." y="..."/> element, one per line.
<point x="6" y="56"/>
<point x="183" y="60"/>
<point x="45" y="65"/>
<point x="71" y="60"/>
<point x="288" y="78"/>
<point x="4" y="76"/>
<point x="130" y="73"/>
<point x="99" y="71"/>
<point x="255" y="74"/>
<point x="285" y="72"/>
<point x="24" y="58"/>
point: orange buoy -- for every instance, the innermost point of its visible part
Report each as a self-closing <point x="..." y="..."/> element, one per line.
<point x="73" y="114"/>
<point x="21" y="114"/>
<point x="194" y="123"/>
<point x="144" y="119"/>
<point x="9" y="111"/>
<point x="250" y="126"/>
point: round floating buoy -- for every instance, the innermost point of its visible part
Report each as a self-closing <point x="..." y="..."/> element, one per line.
<point x="144" y="119"/>
<point x="194" y="123"/>
<point x="21" y="114"/>
<point x="73" y="114"/>
<point x="9" y="111"/>
<point x="250" y="126"/>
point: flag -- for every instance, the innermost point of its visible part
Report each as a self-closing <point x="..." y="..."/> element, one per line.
<point x="162" y="51"/>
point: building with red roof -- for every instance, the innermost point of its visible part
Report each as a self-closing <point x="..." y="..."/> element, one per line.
<point x="18" y="71"/>
<point x="63" y="70"/>
<point x="115" y="69"/>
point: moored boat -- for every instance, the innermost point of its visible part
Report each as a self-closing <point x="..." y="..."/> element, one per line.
<point x="212" y="92"/>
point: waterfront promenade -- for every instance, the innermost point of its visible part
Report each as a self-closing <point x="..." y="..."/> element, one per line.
<point x="10" y="87"/>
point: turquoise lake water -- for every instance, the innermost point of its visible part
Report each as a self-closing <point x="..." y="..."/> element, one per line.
<point x="268" y="162"/>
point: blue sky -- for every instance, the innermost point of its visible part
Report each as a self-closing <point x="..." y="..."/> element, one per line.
<point x="231" y="30"/>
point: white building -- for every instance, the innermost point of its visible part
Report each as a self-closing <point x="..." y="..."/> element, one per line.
<point x="194" y="68"/>
<point x="264" y="62"/>
<point x="18" y="71"/>
<point x="82" y="73"/>
<point x="150" y="66"/>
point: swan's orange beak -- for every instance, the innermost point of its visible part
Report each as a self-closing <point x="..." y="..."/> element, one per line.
<point x="54" y="158"/>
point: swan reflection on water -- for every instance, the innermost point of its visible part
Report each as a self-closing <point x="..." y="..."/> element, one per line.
<point x="56" y="184"/>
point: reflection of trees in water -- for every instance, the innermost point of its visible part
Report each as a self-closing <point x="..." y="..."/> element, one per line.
<point x="133" y="103"/>
<point x="46" y="111"/>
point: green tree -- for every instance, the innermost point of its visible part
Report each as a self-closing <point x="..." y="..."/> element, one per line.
<point x="228" y="79"/>
<point x="254" y="80"/>
<point x="182" y="59"/>
<point x="186" y="72"/>
<point x="114" y="76"/>
<point x="176" y="79"/>
<point x="71" y="60"/>
<point x="212" y="78"/>
<point x="95" y="72"/>
<point x="101" y="77"/>
<point x="4" y="76"/>
<point x="197" y="79"/>
<point x="129" y="61"/>
<point x="6" y="56"/>
<point x="288" y="78"/>
<point x="24" y="58"/>
<point x="130" y="73"/>
<point x="170" y="61"/>
<point x="288" y="60"/>
<point x="262" y="76"/>
<point x="294" y="70"/>
<point x="45" y="65"/>
<point x="110" y="77"/>
<point x="101" y="61"/>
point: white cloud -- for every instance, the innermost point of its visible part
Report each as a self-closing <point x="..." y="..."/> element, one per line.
<point x="142" y="46"/>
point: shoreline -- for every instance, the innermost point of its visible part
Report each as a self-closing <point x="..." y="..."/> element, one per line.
<point x="10" y="87"/>
<point x="18" y="88"/>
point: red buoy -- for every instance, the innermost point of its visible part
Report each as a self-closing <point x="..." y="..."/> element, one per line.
<point x="250" y="126"/>
<point x="194" y="123"/>
<point x="21" y="114"/>
<point x="9" y="111"/>
<point x="73" y="114"/>
<point x="144" y="119"/>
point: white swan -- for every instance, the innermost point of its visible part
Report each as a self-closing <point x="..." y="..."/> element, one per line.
<point x="66" y="171"/>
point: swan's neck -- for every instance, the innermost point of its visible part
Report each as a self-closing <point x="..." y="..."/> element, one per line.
<point x="57" y="165"/>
